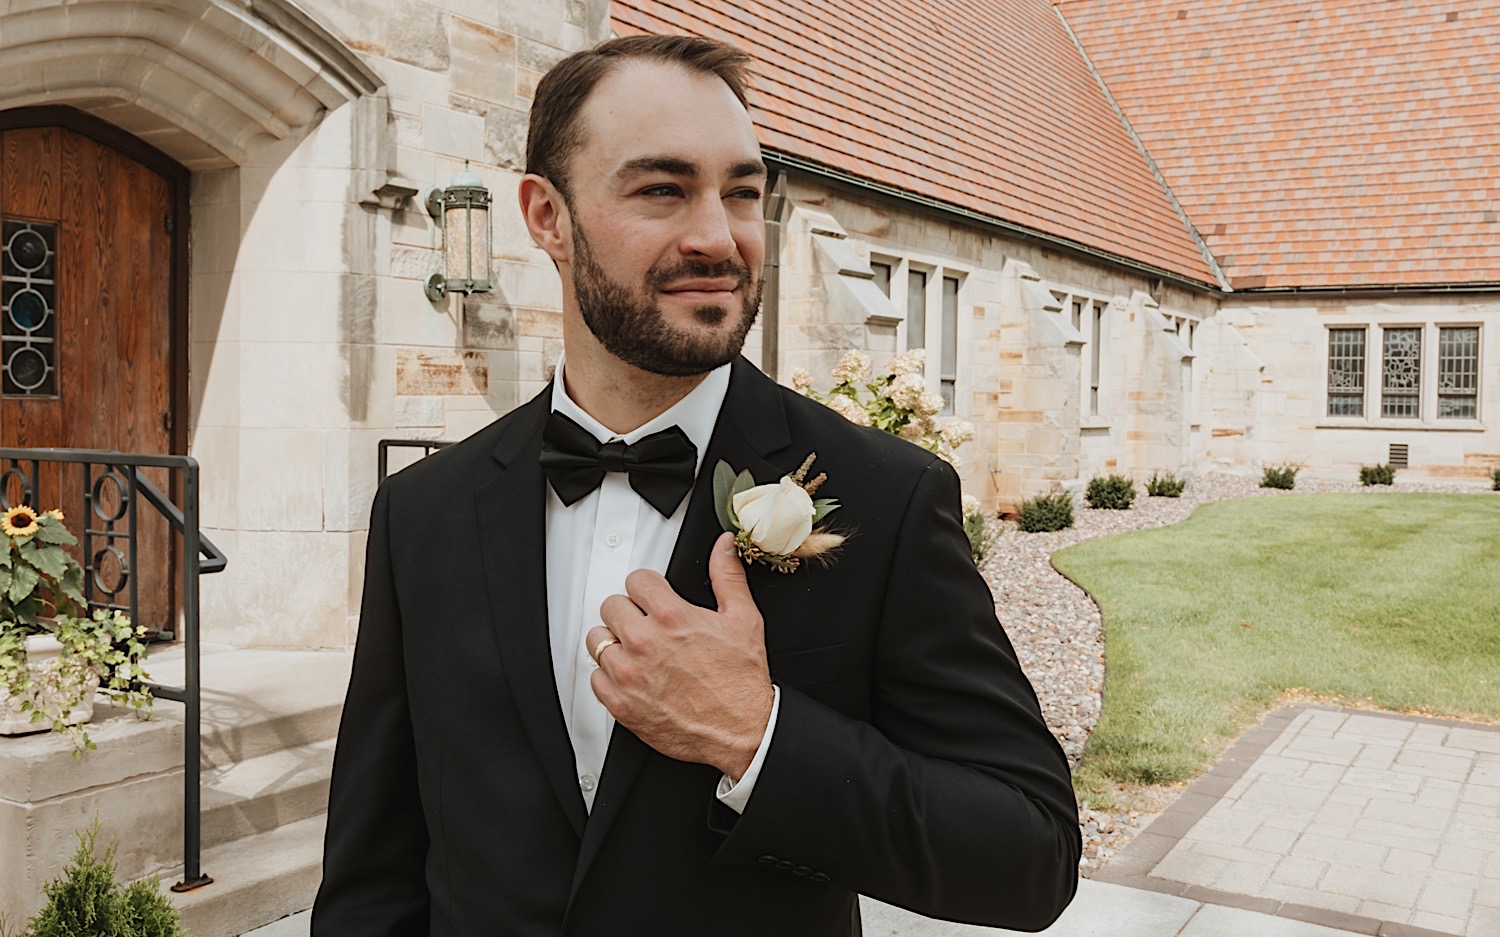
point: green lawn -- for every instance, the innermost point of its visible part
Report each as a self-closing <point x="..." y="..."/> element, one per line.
<point x="1389" y="600"/>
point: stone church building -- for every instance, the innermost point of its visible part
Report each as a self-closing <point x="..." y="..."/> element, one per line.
<point x="1131" y="236"/>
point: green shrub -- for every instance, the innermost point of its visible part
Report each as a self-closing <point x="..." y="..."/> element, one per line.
<point x="1165" y="486"/>
<point x="1497" y="479"/>
<point x="1377" y="474"/>
<point x="977" y="527"/>
<point x="1280" y="476"/>
<point x="1111" y="492"/>
<point x="85" y="900"/>
<point x="1047" y="512"/>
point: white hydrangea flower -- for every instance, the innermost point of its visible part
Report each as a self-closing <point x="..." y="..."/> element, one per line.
<point x="912" y="431"/>
<point x="906" y="391"/>
<point x="848" y="409"/>
<point x="909" y="362"/>
<point x="929" y="404"/>
<point x="852" y="368"/>
<point x="970" y="505"/>
<point x="801" y="381"/>
<point x="957" y="433"/>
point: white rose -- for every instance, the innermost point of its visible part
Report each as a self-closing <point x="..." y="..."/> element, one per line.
<point x="778" y="517"/>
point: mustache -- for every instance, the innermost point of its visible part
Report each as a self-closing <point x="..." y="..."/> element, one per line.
<point x="659" y="278"/>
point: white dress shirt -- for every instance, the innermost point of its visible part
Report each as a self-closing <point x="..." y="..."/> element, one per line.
<point x="592" y="546"/>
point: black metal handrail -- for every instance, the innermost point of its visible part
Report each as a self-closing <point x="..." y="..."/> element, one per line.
<point x="428" y="447"/>
<point x="123" y="472"/>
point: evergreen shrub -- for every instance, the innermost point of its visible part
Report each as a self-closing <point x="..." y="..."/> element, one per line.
<point x="1377" y="474"/>
<point x="1279" y="476"/>
<point x="1111" y="492"/>
<point x="85" y="900"/>
<point x="1496" y="476"/>
<point x="1165" y="486"/>
<point x="1046" y="513"/>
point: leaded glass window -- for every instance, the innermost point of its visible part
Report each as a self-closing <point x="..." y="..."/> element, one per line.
<point x="1401" y="382"/>
<point x="1458" y="373"/>
<point x="948" y="365"/>
<point x="1346" y="372"/>
<point x="916" y="309"/>
<point x="28" y="308"/>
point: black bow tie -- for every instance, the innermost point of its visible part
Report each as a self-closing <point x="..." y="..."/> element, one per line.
<point x="661" y="466"/>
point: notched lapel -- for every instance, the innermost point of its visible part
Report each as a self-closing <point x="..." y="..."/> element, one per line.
<point x="512" y="516"/>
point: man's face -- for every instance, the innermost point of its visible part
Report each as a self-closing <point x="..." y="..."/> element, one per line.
<point x="667" y="232"/>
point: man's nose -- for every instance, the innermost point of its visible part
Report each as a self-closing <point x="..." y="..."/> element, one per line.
<point x="708" y="234"/>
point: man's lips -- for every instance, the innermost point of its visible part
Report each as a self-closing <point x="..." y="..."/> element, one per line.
<point x="704" y="291"/>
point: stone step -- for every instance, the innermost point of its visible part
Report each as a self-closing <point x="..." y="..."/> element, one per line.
<point x="260" y="701"/>
<point x="265" y="792"/>
<point x="257" y="880"/>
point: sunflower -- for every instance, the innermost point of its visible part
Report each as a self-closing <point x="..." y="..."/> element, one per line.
<point x="19" y="521"/>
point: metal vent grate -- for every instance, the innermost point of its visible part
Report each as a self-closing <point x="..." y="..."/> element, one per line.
<point x="1398" y="454"/>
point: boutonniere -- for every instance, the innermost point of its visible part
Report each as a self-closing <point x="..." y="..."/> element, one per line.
<point x="773" y="524"/>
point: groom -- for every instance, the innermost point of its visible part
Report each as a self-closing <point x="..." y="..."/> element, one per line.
<point x="574" y="709"/>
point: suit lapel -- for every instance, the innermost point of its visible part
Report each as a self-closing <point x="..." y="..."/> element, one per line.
<point x="751" y="426"/>
<point x="513" y="537"/>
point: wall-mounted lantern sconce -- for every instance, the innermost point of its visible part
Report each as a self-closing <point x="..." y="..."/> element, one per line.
<point x="464" y="209"/>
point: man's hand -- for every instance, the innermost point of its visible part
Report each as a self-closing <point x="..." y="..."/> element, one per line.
<point x="691" y="683"/>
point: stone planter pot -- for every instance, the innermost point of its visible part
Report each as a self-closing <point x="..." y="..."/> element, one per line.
<point x="40" y="652"/>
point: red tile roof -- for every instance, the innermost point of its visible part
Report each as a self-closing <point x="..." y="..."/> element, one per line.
<point x="981" y="104"/>
<point x="1317" y="142"/>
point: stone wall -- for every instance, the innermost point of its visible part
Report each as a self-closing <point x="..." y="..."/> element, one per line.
<point x="1023" y="366"/>
<point x="311" y="336"/>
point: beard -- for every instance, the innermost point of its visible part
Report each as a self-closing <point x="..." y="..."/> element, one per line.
<point x="636" y="331"/>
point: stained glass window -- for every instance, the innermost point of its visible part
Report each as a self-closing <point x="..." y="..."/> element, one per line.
<point x="28" y="308"/>
<point x="1346" y="372"/>
<point x="1401" y="384"/>
<point x="1458" y="373"/>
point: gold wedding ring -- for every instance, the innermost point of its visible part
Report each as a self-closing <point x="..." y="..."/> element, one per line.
<point x="599" y="649"/>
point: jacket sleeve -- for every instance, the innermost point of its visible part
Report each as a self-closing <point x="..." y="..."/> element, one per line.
<point x="376" y="845"/>
<point x="954" y="800"/>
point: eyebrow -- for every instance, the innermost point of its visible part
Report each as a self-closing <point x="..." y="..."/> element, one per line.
<point x="676" y="166"/>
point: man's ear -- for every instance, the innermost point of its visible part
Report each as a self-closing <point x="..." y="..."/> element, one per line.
<point x="546" y="216"/>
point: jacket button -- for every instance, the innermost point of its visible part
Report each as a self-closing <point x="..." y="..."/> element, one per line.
<point x="767" y="860"/>
<point x="785" y="865"/>
<point x="819" y="877"/>
<point x="802" y="870"/>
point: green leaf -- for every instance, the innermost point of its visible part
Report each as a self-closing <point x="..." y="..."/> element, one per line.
<point x="5" y="557"/>
<point x="743" y="482"/>
<point x="5" y="577"/>
<point x="723" y="490"/>
<point x="823" y="507"/>
<point x="23" y="581"/>
<point x="55" y="533"/>
<point x="52" y="561"/>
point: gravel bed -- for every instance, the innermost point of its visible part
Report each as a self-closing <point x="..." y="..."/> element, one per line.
<point x="1056" y="629"/>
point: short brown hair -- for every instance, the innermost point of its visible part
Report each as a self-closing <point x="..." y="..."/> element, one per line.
<point x="554" y="133"/>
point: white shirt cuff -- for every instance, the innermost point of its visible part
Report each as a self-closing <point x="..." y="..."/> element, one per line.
<point x="736" y="794"/>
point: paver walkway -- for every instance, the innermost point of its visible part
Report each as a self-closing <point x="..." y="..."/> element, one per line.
<point x="1372" y="822"/>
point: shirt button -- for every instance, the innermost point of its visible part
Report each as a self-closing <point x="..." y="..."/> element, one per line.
<point x="586" y="782"/>
<point x="612" y="538"/>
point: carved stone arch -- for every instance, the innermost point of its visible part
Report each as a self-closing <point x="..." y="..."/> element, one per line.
<point x="198" y="79"/>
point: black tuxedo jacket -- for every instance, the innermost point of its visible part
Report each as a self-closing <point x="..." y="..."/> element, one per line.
<point x="909" y="762"/>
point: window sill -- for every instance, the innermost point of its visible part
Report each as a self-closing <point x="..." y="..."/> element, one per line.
<point x="1419" y="426"/>
<point x="1093" y="422"/>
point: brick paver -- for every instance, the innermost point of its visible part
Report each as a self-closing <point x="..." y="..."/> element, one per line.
<point x="1368" y="814"/>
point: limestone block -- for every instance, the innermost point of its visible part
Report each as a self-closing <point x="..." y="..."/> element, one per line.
<point x="526" y="79"/>
<point x="530" y="285"/>
<point x="292" y="306"/>
<point x="539" y="55"/>
<point x="542" y="323"/>
<point x="505" y="137"/>
<point x="407" y="317"/>
<point x="418" y="35"/>
<point x="484" y="61"/>
<point x="214" y="382"/>
<point x="420" y="166"/>
<point x="217" y="449"/>
<point x="429" y="371"/>
<point x="543" y="23"/>
<point x="453" y="133"/>
<point x="419" y="411"/>
<point x="488" y="325"/>
<point x="294" y="384"/>
<point x="415" y="263"/>
<point x="280" y="479"/>
<point x="291" y="589"/>
<point x="283" y="236"/>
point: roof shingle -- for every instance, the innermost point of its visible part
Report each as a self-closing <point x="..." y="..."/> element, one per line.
<point x="1317" y="143"/>
<point x="983" y="105"/>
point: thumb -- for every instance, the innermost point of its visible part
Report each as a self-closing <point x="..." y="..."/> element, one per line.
<point x="727" y="574"/>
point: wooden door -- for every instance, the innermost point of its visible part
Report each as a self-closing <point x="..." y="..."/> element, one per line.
<point x="86" y="350"/>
